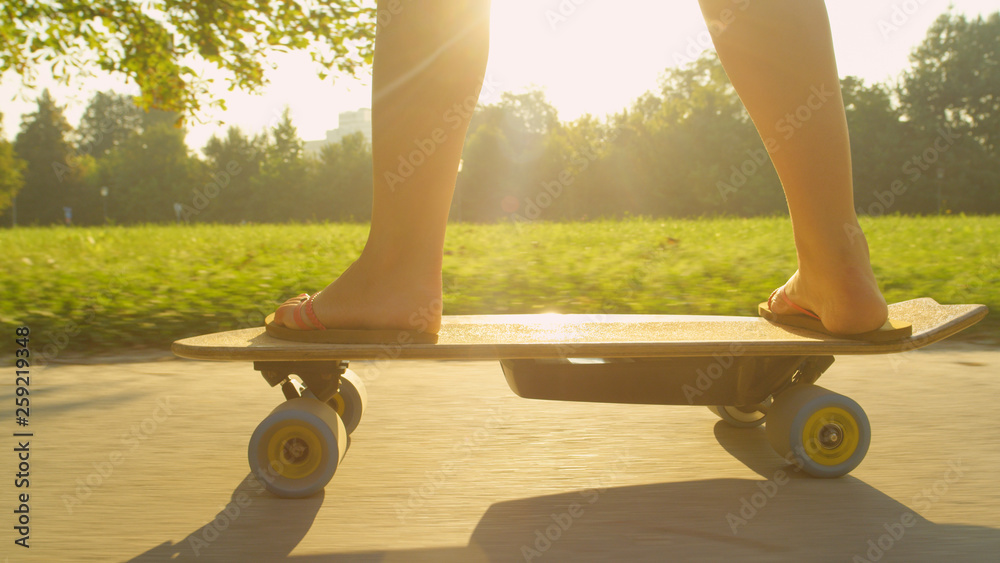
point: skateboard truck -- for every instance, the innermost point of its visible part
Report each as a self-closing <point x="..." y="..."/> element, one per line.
<point x="322" y="378"/>
<point x="808" y="371"/>
<point x="296" y="449"/>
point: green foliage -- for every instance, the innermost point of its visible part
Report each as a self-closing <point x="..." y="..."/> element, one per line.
<point x="11" y="167"/>
<point x="106" y="289"/>
<point x="107" y="122"/>
<point x="342" y="179"/>
<point x="690" y="149"/>
<point x="952" y="87"/>
<point x="509" y="153"/>
<point x="483" y="184"/>
<point x="151" y="42"/>
<point x="703" y="154"/>
<point x="675" y="153"/>
<point x="232" y="168"/>
<point x="687" y="149"/>
<point x="147" y="174"/>
<point x="881" y="142"/>
<point x="284" y="174"/>
<point x="52" y="177"/>
<point x="955" y="78"/>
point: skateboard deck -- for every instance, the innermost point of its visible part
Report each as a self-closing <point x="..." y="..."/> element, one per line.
<point x="494" y="337"/>
<point x="745" y="369"/>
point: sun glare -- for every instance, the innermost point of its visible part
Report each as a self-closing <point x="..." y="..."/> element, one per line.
<point x="587" y="56"/>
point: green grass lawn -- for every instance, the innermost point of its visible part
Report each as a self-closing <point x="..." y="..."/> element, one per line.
<point x="91" y="290"/>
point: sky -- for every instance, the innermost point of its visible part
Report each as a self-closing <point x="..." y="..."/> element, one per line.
<point x="588" y="56"/>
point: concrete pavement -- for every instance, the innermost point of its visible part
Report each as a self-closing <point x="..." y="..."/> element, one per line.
<point x="147" y="462"/>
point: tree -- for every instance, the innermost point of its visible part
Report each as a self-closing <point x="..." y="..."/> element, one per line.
<point x="109" y="119"/>
<point x="51" y="175"/>
<point x="150" y="43"/>
<point x="691" y="149"/>
<point x="343" y="180"/>
<point x="591" y="187"/>
<point x="881" y="141"/>
<point x="148" y="173"/>
<point x="233" y="168"/>
<point x="108" y="122"/>
<point x="955" y="78"/>
<point x="950" y="97"/>
<point x="508" y="157"/>
<point x="11" y="167"/>
<point x="280" y="194"/>
<point x="484" y="185"/>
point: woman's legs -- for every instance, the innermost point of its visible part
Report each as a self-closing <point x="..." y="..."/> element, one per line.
<point x="430" y="59"/>
<point x="779" y="57"/>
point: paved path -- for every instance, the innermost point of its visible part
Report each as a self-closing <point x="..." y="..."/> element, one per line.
<point x="147" y="462"/>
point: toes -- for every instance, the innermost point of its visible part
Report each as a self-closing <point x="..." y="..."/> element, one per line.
<point x="284" y="315"/>
<point x="774" y="304"/>
<point x="778" y="301"/>
<point x="787" y="304"/>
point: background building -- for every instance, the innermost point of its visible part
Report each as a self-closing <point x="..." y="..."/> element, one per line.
<point x="348" y="123"/>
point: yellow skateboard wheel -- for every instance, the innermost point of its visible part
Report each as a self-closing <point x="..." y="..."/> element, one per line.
<point x="823" y="433"/>
<point x="350" y="400"/>
<point x="296" y="449"/>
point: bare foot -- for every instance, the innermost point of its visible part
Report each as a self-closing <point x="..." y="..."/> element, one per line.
<point x="840" y="288"/>
<point x="367" y="296"/>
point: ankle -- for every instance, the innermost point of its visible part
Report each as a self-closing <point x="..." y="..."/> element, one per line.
<point x="826" y="254"/>
<point x="393" y="261"/>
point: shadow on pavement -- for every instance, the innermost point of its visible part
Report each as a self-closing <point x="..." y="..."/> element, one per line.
<point x="782" y="516"/>
<point x="254" y="526"/>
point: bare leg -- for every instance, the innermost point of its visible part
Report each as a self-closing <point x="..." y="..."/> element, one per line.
<point x="779" y="57"/>
<point x="430" y="59"/>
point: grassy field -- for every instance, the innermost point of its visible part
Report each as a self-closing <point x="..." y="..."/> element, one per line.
<point x="106" y="290"/>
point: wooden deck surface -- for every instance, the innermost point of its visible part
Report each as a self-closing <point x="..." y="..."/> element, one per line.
<point x="486" y="337"/>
